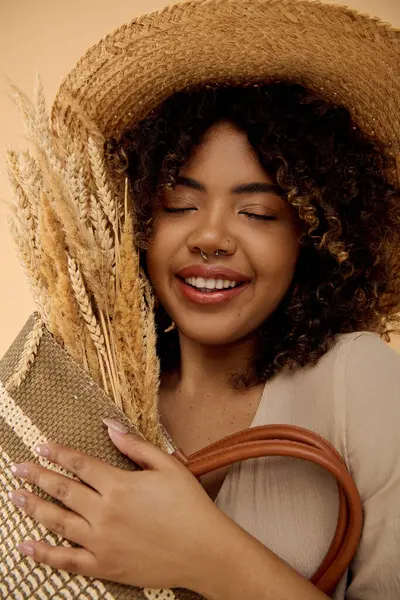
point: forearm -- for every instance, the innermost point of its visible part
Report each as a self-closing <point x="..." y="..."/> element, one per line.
<point x="241" y="567"/>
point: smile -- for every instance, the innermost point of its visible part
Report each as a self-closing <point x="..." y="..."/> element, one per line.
<point x="206" y="285"/>
<point x="205" y="294"/>
<point x="211" y="284"/>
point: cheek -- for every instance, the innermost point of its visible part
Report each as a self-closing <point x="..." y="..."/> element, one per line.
<point x="160" y="256"/>
<point x="276" y="256"/>
<point x="155" y="262"/>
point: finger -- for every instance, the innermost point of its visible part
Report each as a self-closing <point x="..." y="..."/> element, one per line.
<point x="92" y="471"/>
<point x="75" y="495"/>
<point x="138" y="449"/>
<point x="56" y="519"/>
<point x="73" y="560"/>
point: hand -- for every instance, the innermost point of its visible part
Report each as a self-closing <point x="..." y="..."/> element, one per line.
<point x="155" y="528"/>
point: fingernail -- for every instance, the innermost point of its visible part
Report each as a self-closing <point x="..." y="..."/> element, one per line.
<point x="17" y="498"/>
<point x="42" y="450"/>
<point x="26" y="548"/>
<point x="20" y="470"/>
<point x="115" y="426"/>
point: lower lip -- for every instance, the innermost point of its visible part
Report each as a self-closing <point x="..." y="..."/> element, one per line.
<point x="214" y="297"/>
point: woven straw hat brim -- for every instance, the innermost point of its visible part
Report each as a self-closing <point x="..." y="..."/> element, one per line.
<point x="342" y="55"/>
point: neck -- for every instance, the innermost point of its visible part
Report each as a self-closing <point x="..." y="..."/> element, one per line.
<point x="208" y="370"/>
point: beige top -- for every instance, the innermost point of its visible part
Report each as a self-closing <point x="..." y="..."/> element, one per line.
<point x="352" y="398"/>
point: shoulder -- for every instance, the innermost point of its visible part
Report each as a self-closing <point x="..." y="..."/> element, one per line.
<point x="361" y="345"/>
<point x="372" y="439"/>
<point x="357" y="363"/>
<point x="362" y="359"/>
<point x="350" y="396"/>
<point x="353" y="388"/>
<point x="371" y="372"/>
<point x="371" y="406"/>
<point x="365" y="350"/>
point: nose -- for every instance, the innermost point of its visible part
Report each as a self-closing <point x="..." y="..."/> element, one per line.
<point x="212" y="234"/>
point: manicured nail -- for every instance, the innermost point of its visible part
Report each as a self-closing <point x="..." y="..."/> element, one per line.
<point x="26" y="548"/>
<point x="115" y="426"/>
<point x="19" y="470"/>
<point x="42" y="450"/>
<point x="17" y="498"/>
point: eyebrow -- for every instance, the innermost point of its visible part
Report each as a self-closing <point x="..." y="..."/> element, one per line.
<point x="246" y="188"/>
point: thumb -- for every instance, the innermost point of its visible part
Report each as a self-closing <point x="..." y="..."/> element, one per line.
<point x="136" y="447"/>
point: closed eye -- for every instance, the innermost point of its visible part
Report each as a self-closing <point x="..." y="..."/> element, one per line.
<point x="255" y="216"/>
<point x="176" y="210"/>
<point x="261" y="217"/>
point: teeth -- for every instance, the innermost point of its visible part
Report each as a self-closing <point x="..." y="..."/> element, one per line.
<point x="210" y="284"/>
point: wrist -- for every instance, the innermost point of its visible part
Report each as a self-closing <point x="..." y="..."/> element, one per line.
<point x="218" y="571"/>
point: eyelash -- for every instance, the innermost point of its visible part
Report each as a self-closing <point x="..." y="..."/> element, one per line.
<point x="176" y="210"/>
<point x="259" y="217"/>
<point x="250" y="215"/>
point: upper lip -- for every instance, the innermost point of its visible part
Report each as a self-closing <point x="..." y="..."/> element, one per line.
<point x="212" y="272"/>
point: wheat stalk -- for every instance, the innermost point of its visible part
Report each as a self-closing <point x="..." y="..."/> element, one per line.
<point x="27" y="357"/>
<point x="74" y="181"/>
<point x="25" y="106"/>
<point x="28" y="261"/>
<point x="85" y="305"/>
<point x="128" y="336"/>
<point x="64" y="311"/>
<point x="76" y="240"/>
<point x="102" y="233"/>
<point x="91" y="359"/>
<point x="95" y="267"/>
<point x="41" y="131"/>
<point x="31" y="180"/>
<point x="80" y="239"/>
<point x="111" y="362"/>
<point x="25" y="206"/>
<point x="151" y="366"/>
<point x="92" y="324"/>
<point x="127" y="302"/>
<point x="104" y="192"/>
<point x="76" y="147"/>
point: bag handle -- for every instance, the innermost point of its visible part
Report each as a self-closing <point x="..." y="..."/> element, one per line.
<point x="295" y="442"/>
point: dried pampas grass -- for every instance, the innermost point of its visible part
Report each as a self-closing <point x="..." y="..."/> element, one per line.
<point x="75" y="236"/>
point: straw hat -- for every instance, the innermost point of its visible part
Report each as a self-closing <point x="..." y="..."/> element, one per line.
<point x="344" y="56"/>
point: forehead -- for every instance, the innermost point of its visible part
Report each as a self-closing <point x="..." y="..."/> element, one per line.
<point x="225" y="156"/>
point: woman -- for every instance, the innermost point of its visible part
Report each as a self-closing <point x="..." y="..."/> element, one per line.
<point x="268" y="228"/>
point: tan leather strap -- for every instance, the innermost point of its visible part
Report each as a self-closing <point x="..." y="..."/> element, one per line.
<point x="296" y="442"/>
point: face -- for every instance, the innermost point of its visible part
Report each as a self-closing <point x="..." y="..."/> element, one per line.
<point x="225" y="209"/>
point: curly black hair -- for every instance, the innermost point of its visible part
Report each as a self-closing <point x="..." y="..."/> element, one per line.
<point x="348" y="273"/>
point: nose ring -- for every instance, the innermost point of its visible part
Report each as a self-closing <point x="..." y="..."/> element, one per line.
<point x="220" y="251"/>
<point x="217" y="252"/>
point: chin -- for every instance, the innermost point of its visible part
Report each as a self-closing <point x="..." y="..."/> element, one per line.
<point x="214" y="336"/>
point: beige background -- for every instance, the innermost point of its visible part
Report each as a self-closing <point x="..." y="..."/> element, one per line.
<point x="49" y="36"/>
